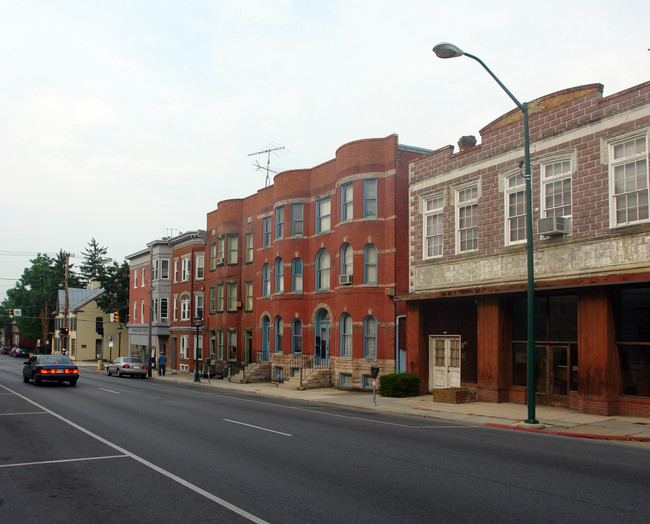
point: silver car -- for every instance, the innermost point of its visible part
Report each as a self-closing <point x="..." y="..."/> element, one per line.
<point x="131" y="366"/>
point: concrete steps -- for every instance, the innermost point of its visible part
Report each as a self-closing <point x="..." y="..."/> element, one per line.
<point x="259" y="372"/>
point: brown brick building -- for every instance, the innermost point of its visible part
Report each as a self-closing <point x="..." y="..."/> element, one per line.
<point x="466" y="305"/>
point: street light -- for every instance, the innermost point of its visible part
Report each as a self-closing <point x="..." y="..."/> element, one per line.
<point x="447" y="50"/>
<point x="197" y="322"/>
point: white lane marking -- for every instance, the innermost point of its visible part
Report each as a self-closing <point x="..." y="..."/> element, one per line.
<point x="110" y="391"/>
<point x="83" y="459"/>
<point x="23" y="413"/>
<point x="258" y="427"/>
<point x="168" y="474"/>
<point x="343" y="406"/>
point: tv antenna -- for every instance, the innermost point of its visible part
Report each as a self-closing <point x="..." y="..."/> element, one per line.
<point x="268" y="163"/>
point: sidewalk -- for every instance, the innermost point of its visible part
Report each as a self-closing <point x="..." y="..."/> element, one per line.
<point x="557" y="421"/>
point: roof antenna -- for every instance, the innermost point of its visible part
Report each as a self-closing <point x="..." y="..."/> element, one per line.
<point x="268" y="163"/>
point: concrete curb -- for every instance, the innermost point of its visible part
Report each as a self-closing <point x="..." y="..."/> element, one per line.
<point x="569" y="434"/>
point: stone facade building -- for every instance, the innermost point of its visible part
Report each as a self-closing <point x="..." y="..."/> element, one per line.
<point x="466" y="307"/>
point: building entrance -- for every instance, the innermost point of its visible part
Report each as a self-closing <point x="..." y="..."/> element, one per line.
<point x="444" y="361"/>
<point x="553" y="374"/>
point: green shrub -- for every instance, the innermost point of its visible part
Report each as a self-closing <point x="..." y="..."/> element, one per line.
<point x="399" y="385"/>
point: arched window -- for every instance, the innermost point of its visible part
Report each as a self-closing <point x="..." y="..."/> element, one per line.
<point x="346" y="259"/>
<point x="266" y="337"/>
<point x="370" y="264"/>
<point x="296" y="275"/>
<point x="296" y="335"/>
<point x="266" y="280"/>
<point x="322" y="269"/>
<point x="370" y="337"/>
<point x="346" y="335"/>
<point x="279" y="276"/>
<point x="278" y="328"/>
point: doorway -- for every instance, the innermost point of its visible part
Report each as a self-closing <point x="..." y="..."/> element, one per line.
<point x="552" y="375"/>
<point x="322" y="342"/>
<point x="444" y="361"/>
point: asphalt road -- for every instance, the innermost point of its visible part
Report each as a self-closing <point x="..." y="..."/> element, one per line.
<point x="125" y="450"/>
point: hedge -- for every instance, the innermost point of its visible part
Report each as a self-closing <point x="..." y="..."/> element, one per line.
<point x="399" y="385"/>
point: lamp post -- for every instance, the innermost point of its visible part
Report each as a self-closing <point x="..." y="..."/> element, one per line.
<point x="119" y="340"/>
<point x="447" y="50"/>
<point x="197" y="322"/>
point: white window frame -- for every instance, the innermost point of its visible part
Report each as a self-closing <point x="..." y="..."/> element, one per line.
<point x="433" y="208"/>
<point x="164" y="269"/>
<point x="200" y="266"/>
<point x="460" y="192"/>
<point x="185" y="342"/>
<point x="185" y="268"/>
<point x="627" y="160"/>
<point x="175" y="307"/>
<point x="185" y="308"/>
<point x="175" y="270"/>
<point x="135" y="278"/>
<point x="553" y="172"/>
<point x="515" y="187"/>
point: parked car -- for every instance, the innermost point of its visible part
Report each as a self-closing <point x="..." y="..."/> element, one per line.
<point x="21" y="353"/>
<point x="50" y="368"/>
<point x="6" y="350"/>
<point x="131" y="366"/>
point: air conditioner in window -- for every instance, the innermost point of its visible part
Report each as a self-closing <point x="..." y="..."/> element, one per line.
<point x="219" y="261"/>
<point x="345" y="280"/>
<point x="551" y="226"/>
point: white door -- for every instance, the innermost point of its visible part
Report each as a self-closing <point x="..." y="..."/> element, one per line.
<point x="444" y="361"/>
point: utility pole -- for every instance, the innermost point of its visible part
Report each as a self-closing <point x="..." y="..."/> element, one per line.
<point x="147" y="359"/>
<point x="66" y="306"/>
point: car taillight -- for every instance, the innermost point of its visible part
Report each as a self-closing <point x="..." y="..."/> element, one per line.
<point x="73" y="371"/>
<point x="125" y="366"/>
<point x="144" y="367"/>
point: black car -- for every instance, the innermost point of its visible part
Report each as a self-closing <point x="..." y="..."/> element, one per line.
<point x="21" y="353"/>
<point x="50" y="368"/>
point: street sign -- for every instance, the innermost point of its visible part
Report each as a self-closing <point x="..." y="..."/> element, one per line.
<point x="17" y="313"/>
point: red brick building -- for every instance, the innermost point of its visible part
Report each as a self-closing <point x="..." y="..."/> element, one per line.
<point x="302" y="274"/>
<point x="466" y="305"/>
<point x="187" y="295"/>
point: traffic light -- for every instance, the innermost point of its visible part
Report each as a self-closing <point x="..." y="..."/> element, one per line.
<point x="11" y="313"/>
<point x="64" y="331"/>
<point x="116" y="315"/>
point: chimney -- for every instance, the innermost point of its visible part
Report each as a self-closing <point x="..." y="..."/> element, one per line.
<point x="466" y="142"/>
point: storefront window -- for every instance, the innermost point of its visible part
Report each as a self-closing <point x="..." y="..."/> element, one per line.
<point x="631" y="313"/>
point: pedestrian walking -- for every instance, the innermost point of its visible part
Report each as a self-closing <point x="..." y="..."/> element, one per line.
<point x="162" y="360"/>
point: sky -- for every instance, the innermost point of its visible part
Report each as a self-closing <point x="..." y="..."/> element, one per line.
<point x="128" y="121"/>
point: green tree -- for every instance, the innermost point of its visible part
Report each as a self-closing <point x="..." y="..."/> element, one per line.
<point x="94" y="263"/>
<point x="35" y="294"/>
<point x="115" y="282"/>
